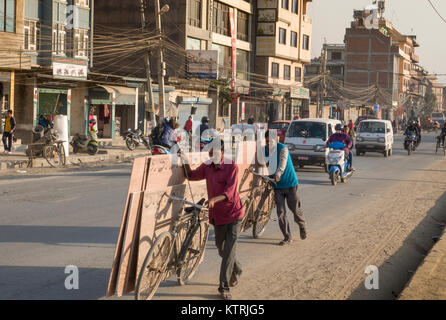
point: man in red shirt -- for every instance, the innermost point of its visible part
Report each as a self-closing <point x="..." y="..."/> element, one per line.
<point x="225" y="213"/>
<point x="188" y="125"/>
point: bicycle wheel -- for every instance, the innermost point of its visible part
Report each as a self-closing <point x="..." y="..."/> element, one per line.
<point x="154" y="267"/>
<point x="52" y="156"/>
<point x="194" y="253"/>
<point x="263" y="215"/>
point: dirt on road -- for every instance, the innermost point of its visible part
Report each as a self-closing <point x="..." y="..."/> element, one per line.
<point x="393" y="232"/>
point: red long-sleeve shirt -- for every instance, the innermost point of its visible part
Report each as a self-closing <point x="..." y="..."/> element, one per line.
<point x="221" y="181"/>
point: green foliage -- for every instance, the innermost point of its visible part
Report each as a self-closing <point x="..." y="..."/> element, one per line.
<point x="225" y="90"/>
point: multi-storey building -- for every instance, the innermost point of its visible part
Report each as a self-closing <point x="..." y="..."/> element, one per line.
<point x="56" y="39"/>
<point x="380" y="56"/>
<point x="283" y="44"/>
<point x="12" y="58"/>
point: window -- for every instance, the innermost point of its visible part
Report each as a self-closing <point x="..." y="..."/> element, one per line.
<point x="275" y="70"/>
<point x="242" y="25"/>
<point x="306" y="42"/>
<point x="194" y="13"/>
<point x="80" y="43"/>
<point x="297" y="74"/>
<point x="282" y="36"/>
<point x="287" y="72"/>
<point x="224" y="60"/>
<point x="336" y="56"/>
<point x="294" y="39"/>
<point x="7" y="15"/>
<point x="32" y="35"/>
<point x="220" y="23"/>
<point x="83" y="3"/>
<point x="307" y="130"/>
<point x="285" y="4"/>
<point x="59" y="39"/>
<point x="294" y="6"/>
<point x="193" y="44"/>
<point x="242" y="64"/>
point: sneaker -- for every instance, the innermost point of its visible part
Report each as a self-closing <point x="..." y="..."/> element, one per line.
<point x="303" y="233"/>
<point x="226" y="295"/>
<point x="284" y="242"/>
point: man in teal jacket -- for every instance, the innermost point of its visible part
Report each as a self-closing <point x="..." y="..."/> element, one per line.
<point x="285" y="191"/>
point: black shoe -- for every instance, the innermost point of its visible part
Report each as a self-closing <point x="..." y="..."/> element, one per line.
<point x="284" y="242"/>
<point x="303" y="233"/>
<point x="225" y="294"/>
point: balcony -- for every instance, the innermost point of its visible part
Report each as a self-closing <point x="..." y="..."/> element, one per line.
<point x="415" y="58"/>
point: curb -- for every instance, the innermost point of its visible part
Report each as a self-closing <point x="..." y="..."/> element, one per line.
<point x="429" y="280"/>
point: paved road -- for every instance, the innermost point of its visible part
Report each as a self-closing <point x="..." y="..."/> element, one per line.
<point x="48" y="222"/>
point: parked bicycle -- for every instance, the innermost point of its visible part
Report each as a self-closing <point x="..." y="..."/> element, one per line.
<point x="47" y="145"/>
<point x="258" y="216"/>
<point x="180" y="250"/>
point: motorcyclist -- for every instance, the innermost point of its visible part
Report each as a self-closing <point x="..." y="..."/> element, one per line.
<point x="341" y="136"/>
<point x="443" y="134"/>
<point x="204" y="125"/>
<point x="413" y="128"/>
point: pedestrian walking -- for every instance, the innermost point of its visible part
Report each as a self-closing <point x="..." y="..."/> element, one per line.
<point x="225" y="213"/>
<point x="188" y="125"/>
<point x="286" y="190"/>
<point x="8" y="132"/>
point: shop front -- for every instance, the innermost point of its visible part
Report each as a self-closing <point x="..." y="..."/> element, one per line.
<point x="115" y="109"/>
<point x="50" y="102"/>
<point x="197" y="107"/>
<point x="6" y="96"/>
<point x="299" y="103"/>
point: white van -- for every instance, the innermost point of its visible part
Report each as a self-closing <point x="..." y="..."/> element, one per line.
<point x="306" y="140"/>
<point x="374" y="136"/>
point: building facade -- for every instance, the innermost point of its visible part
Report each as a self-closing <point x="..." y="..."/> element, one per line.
<point x="12" y="57"/>
<point x="56" y="40"/>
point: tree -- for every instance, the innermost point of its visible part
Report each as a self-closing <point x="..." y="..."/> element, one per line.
<point x="430" y="100"/>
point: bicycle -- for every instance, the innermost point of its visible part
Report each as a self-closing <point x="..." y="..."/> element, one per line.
<point x="439" y="146"/>
<point x="54" y="154"/>
<point x="180" y="250"/>
<point x="259" y="217"/>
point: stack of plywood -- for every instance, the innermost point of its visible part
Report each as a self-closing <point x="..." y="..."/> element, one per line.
<point x="148" y="212"/>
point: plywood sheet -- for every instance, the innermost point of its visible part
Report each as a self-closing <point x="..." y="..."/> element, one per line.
<point x="139" y="172"/>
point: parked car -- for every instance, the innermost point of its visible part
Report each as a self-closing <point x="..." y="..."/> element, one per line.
<point x="281" y="127"/>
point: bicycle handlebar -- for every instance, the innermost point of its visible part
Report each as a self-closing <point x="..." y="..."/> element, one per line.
<point x="262" y="176"/>
<point x="203" y="208"/>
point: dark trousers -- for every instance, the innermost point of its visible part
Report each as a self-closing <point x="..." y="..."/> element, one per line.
<point x="226" y="241"/>
<point x="288" y="197"/>
<point x="7" y="141"/>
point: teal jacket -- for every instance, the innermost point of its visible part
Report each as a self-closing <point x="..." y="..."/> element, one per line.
<point x="289" y="177"/>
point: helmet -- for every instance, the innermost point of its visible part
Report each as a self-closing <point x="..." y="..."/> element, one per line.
<point x="204" y="120"/>
<point x="339" y="127"/>
<point x="93" y="121"/>
<point x="413" y="123"/>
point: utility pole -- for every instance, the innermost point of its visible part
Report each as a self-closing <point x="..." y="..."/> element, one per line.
<point x="161" y="67"/>
<point x="148" y="73"/>
<point x="322" y="83"/>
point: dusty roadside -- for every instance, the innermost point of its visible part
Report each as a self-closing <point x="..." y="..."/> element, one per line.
<point x="393" y="232"/>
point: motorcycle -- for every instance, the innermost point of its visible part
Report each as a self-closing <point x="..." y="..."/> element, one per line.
<point x="410" y="143"/>
<point x="83" y="143"/>
<point x="338" y="166"/>
<point x="134" y="138"/>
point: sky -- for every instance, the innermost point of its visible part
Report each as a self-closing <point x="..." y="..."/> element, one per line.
<point x="412" y="17"/>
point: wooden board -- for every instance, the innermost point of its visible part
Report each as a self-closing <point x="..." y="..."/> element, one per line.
<point x="136" y="182"/>
<point x="129" y="247"/>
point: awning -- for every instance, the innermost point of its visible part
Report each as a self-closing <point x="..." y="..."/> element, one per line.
<point x="123" y="95"/>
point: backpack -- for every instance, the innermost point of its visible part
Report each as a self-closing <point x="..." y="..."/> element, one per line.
<point x="157" y="133"/>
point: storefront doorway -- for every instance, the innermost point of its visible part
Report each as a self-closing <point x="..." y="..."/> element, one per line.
<point x="102" y="114"/>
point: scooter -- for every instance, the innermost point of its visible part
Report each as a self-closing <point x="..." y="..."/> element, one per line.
<point x="82" y="143"/>
<point x="338" y="167"/>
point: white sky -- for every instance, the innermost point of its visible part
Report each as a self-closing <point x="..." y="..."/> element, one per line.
<point x="414" y="17"/>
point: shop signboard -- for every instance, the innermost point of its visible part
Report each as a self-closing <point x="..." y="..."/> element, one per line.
<point x="300" y="93"/>
<point x="74" y="69"/>
<point x="202" y="64"/>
